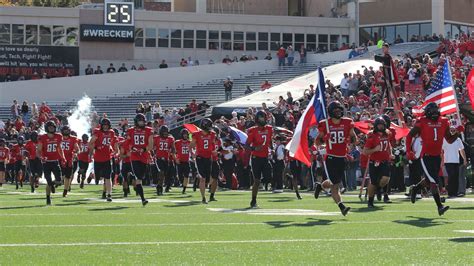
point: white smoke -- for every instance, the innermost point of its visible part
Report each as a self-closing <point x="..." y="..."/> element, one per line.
<point x="80" y="119"/>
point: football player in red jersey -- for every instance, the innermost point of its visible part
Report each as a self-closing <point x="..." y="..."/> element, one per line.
<point x="182" y="158"/>
<point x="51" y="154"/>
<point x="116" y="177"/>
<point x="102" y="145"/>
<point x="163" y="147"/>
<point x="203" y="141"/>
<point x="126" y="169"/>
<point x="393" y="143"/>
<point x="141" y="138"/>
<point x="432" y="129"/>
<point x="378" y="147"/>
<point x="19" y="152"/>
<point x="83" y="158"/>
<point x="10" y="168"/>
<point x="34" y="162"/>
<point x="340" y="134"/>
<point x="4" y="154"/>
<point x="215" y="167"/>
<point x="259" y="141"/>
<point x="69" y="147"/>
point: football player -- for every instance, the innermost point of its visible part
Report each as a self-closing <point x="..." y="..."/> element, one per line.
<point x="337" y="132"/>
<point x="432" y="129"/>
<point x="259" y="141"/>
<point x="378" y="147"/>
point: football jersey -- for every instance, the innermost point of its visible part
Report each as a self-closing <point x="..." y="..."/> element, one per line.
<point x="4" y="153"/>
<point x="30" y="146"/>
<point x="217" y="145"/>
<point x="68" y="145"/>
<point x="432" y="134"/>
<point x="138" y="142"/>
<point x="375" y="139"/>
<point x="18" y="152"/>
<point x="83" y="153"/>
<point x="125" y="146"/>
<point x="104" y="145"/>
<point x="51" y="146"/>
<point x="336" y="145"/>
<point x="260" y="137"/>
<point x="162" y="146"/>
<point x="182" y="150"/>
<point x="204" y="143"/>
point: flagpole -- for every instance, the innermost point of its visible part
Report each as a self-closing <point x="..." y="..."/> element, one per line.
<point x="455" y="97"/>
<point x="322" y="99"/>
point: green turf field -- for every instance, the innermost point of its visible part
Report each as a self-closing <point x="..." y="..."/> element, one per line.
<point x="178" y="229"/>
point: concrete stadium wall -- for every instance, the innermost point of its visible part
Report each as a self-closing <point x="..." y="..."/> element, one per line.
<point x="70" y="88"/>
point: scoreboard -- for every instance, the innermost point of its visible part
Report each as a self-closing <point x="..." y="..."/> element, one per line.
<point x="119" y="13"/>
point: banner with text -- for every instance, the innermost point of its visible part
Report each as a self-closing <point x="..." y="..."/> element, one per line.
<point x="105" y="33"/>
<point x="22" y="60"/>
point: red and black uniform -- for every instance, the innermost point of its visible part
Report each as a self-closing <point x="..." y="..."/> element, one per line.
<point x="10" y="167"/>
<point x="51" y="156"/>
<point x="260" y="141"/>
<point x="116" y="157"/>
<point x="379" y="164"/>
<point x="4" y="155"/>
<point x="336" y="147"/>
<point x="126" y="169"/>
<point x="139" y="156"/>
<point x="182" y="158"/>
<point x="104" y="149"/>
<point x="83" y="156"/>
<point x="36" y="168"/>
<point x="216" y="166"/>
<point x="68" y="145"/>
<point x="162" y="152"/>
<point x="432" y="134"/>
<point x="204" y="147"/>
<point x="18" y="151"/>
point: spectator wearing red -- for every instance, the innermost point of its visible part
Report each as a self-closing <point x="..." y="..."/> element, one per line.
<point x="44" y="108"/>
<point x="194" y="106"/>
<point x="19" y="124"/>
<point x="361" y="97"/>
<point x="281" y="54"/>
<point x="266" y="85"/>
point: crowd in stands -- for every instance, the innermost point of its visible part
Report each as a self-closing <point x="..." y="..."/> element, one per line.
<point x="360" y="92"/>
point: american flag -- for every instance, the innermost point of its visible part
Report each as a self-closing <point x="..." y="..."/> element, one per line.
<point x="441" y="92"/>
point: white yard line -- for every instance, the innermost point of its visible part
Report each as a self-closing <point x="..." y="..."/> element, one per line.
<point x="269" y="223"/>
<point x="200" y="242"/>
<point x="465" y="231"/>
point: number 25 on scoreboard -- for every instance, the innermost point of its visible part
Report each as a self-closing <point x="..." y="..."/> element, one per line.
<point x="119" y="13"/>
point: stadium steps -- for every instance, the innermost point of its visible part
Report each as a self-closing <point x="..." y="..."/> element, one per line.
<point x="123" y="105"/>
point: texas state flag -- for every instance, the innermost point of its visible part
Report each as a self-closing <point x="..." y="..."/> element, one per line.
<point x="315" y="112"/>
